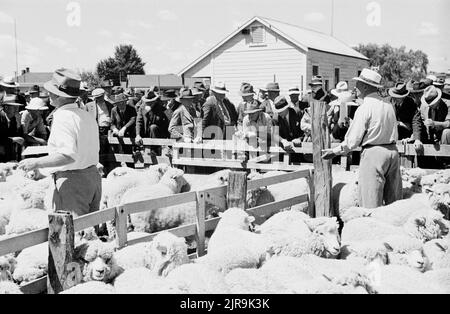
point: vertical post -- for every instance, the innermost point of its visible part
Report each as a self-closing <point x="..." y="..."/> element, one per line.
<point x="237" y="190"/>
<point x="311" y="207"/>
<point x="121" y="226"/>
<point x="63" y="272"/>
<point x="201" y="227"/>
<point x="322" y="168"/>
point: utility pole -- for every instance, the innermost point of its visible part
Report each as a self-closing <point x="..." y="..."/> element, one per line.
<point x="332" y="17"/>
<point x="17" y="62"/>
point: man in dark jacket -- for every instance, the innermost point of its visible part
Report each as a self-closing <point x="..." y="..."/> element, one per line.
<point x="123" y="118"/>
<point x="219" y="115"/>
<point x="288" y="122"/>
<point x="11" y="133"/>
<point x="151" y="121"/>
<point x="405" y="109"/>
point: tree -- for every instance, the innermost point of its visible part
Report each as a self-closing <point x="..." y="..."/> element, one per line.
<point x="396" y="64"/>
<point x="125" y="61"/>
<point x="91" y="78"/>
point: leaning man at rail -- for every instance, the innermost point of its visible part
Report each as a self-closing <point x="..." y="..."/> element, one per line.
<point x="73" y="149"/>
<point x="375" y="129"/>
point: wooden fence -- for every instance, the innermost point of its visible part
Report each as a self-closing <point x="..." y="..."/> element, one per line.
<point x="197" y="229"/>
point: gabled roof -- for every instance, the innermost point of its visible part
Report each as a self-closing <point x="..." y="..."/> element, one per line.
<point x="35" y="77"/>
<point x="301" y="37"/>
<point x="165" y="80"/>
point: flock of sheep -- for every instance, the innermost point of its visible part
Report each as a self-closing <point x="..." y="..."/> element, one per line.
<point x="400" y="248"/>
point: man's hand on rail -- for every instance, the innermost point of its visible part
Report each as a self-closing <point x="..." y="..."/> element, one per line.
<point x="197" y="140"/>
<point x="138" y="140"/>
<point x="418" y="146"/>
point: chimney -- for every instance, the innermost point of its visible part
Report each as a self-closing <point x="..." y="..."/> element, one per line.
<point x="28" y="70"/>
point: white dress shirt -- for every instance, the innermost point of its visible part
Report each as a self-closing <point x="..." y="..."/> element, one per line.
<point x="74" y="133"/>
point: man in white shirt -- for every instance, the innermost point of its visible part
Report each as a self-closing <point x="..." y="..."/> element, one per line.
<point x="374" y="128"/>
<point x="73" y="149"/>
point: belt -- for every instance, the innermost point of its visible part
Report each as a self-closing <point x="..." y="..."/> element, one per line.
<point x="382" y="145"/>
<point x="74" y="171"/>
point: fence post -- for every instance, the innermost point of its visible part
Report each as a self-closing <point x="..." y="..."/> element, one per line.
<point x="311" y="208"/>
<point x="63" y="271"/>
<point x="237" y="190"/>
<point x="201" y="226"/>
<point x="322" y="168"/>
<point x="121" y="226"/>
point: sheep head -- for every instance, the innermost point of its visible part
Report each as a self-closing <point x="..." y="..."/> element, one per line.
<point x="326" y="231"/>
<point x="5" y="269"/>
<point x="100" y="263"/>
<point x="165" y="253"/>
<point x="174" y="179"/>
<point x="160" y="169"/>
<point x="221" y="176"/>
<point x="236" y="218"/>
<point x="417" y="260"/>
<point x="426" y="226"/>
<point x="439" y="198"/>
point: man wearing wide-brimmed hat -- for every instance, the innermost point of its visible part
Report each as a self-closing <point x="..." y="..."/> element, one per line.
<point x="151" y="121"/>
<point x="170" y="101"/>
<point x="73" y="149"/>
<point x="185" y="118"/>
<point x="288" y="122"/>
<point x="374" y="128"/>
<point x="273" y="91"/>
<point x="256" y="126"/>
<point x="9" y="85"/>
<point x="219" y="119"/>
<point x="11" y="134"/>
<point x="405" y="109"/>
<point x="32" y="121"/>
<point x="294" y="99"/>
<point x="338" y="119"/>
<point x="248" y="96"/>
<point x="416" y="90"/>
<point x="123" y="117"/>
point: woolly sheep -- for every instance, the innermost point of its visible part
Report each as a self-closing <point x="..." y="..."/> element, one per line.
<point x="439" y="278"/>
<point x="438" y="253"/>
<point x="294" y="234"/>
<point x="32" y="263"/>
<point x="7" y="265"/>
<point x="345" y="196"/>
<point x="91" y="287"/>
<point x="99" y="261"/>
<point x="26" y="220"/>
<point x="142" y="281"/>
<point x="439" y="198"/>
<point x="123" y="170"/>
<point x="197" y="279"/>
<point x="164" y="253"/>
<point x="9" y="287"/>
<point x="424" y="227"/>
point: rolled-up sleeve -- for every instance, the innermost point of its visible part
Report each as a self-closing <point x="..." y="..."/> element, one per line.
<point x="356" y="132"/>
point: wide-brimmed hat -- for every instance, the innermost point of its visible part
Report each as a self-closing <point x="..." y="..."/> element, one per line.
<point x="432" y="77"/>
<point x="220" y="88"/>
<point x="98" y="92"/>
<point x="36" y="104"/>
<point x="271" y="87"/>
<point x="246" y="90"/>
<point x="196" y="91"/>
<point x="294" y="91"/>
<point x="253" y="107"/>
<point x="431" y="96"/>
<point x="150" y="96"/>
<point x="369" y="77"/>
<point x="64" y="83"/>
<point x="415" y="87"/>
<point x="439" y="82"/>
<point x="280" y="104"/>
<point x="119" y="98"/>
<point x="9" y="81"/>
<point x="185" y="93"/>
<point x="399" y="91"/>
<point x="117" y="89"/>
<point x="11" y="100"/>
<point x="169" y="94"/>
<point x="340" y="87"/>
<point x="316" y="81"/>
<point x="200" y="86"/>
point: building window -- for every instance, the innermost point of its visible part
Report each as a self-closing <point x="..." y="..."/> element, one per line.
<point x="258" y="35"/>
<point x="315" y="70"/>
<point x="337" y="74"/>
<point x="327" y="83"/>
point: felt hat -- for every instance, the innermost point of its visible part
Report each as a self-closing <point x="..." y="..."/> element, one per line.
<point x="246" y="90"/>
<point x="36" y="104"/>
<point x="316" y="81"/>
<point x="399" y="91"/>
<point x="439" y="82"/>
<point x="98" y="92"/>
<point x="11" y="100"/>
<point x="169" y="94"/>
<point x="119" y="98"/>
<point x="369" y="77"/>
<point x="64" y="83"/>
<point x="280" y="104"/>
<point x="200" y="86"/>
<point x="185" y="93"/>
<point x="415" y="87"/>
<point x="271" y="87"/>
<point x="150" y="96"/>
<point x="253" y="107"/>
<point x="9" y="81"/>
<point x="340" y="87"/>
<point x="220" y="88"/>
<point x="294" y="91"/>
<point x="431" y="96"/>
<point x="196" y="91"/>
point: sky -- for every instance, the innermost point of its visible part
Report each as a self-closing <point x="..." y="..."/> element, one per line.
<point x="170" y="34"/>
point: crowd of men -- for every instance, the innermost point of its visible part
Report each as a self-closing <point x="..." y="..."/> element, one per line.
<point x="200" y="112"/>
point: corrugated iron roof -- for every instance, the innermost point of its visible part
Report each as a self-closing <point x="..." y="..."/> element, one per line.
<point x="302" y="37"/>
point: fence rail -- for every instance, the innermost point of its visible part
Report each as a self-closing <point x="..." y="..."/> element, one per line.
<point x="119" y="214"/>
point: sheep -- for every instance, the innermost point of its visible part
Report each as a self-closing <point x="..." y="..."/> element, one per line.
<point x="253" y="281"/>
<point x="439" y="198"/>
<point x="121" y="171"/>
<point x="164" y="253"/>
<point x="162" y="218"/>
<point x="295" y="236"/>
<point x="439" y="278"/>
<point x="6" y="169"/>
<point x="197" y="279"/>
<point x="438" y="253"/>
<point x="26" y="220"/>
<point x="32" y="263"/>
<point x="142" y="281"/>
<point x="7" y="265"/>
<point x="9" y="287"/>
<point x="91" y="287"/>
<point x="424" y="226"/>
<point x="345" y="196"/>
<point x="117" y="186"/>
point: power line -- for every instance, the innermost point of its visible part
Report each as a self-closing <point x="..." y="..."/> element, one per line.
<point x="17" y="62"/>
